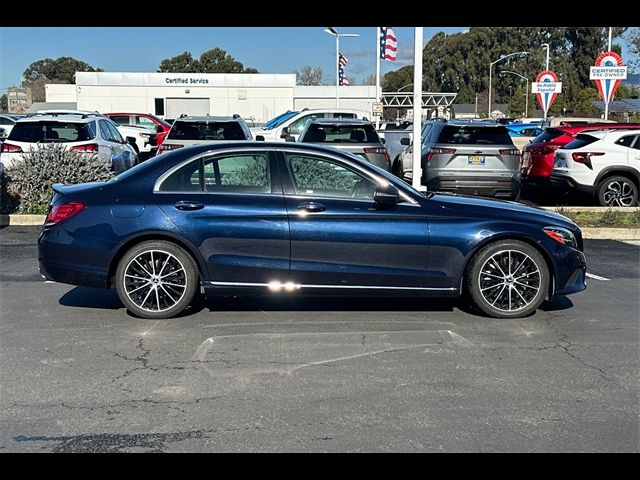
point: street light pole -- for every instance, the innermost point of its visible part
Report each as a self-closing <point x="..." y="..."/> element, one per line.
<point x="546" y="45"/>
<point x="334" y="32"/>
<point x="526" y="94"/>
<point x="491" y="73"/>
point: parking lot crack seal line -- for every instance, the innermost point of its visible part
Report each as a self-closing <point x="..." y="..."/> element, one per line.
<point x="565" y="345"/>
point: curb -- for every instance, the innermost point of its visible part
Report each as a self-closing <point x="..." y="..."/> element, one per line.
<point x="587" y="232"/>
<point x="22" y="220"/>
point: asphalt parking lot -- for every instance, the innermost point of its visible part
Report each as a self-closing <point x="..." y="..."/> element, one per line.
<point x="78" y="374"/>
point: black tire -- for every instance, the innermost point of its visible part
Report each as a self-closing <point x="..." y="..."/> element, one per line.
<point x="396" y="167"/>
<point x="617" y="191"/>
<point x="492" y="270"/>
<point x="168" y="281"/>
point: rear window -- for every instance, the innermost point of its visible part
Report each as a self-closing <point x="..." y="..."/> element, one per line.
<point x="341" y="134"/>
<point x="581" y="140"/>
<point x="548" y="135"/>
<point x="207" y="131"/>
<point x="471" y="135"/>
<point x="54" y="132"/>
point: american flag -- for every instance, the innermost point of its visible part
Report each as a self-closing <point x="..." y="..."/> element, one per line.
<point x="342" y="63"/>
<point x="388" y="44"/>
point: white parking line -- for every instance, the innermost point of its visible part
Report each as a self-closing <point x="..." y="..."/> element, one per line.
<point x="597" y="277"/>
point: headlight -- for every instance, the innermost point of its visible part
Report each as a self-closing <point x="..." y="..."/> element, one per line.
<point x="145" y="135"/>
<point x="561" y="235"/>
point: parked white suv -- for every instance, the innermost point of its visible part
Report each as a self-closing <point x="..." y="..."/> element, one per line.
<point x="83" y="132"/>
<point x="605" y="163"/>
<point x="292" y="123"/>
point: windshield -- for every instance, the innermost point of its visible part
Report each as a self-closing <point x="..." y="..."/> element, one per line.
<point x="207" y="131"/>
<point x="279" y="120"/>
<point x="319" y="133"/>
<point x="52" y="131"/>
<point x="548" y="135"/>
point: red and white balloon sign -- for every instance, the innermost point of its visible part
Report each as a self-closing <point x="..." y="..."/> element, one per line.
<point x="546" y="87"/>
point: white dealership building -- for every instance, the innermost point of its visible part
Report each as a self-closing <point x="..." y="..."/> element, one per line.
<point x="255" y="96"/>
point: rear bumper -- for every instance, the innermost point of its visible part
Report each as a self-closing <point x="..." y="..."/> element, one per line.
<point x="563" y="182"/>
<point x="504" y="187"/>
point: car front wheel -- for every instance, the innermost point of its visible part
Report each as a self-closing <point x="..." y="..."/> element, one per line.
<point x="508" y="279"/>
<point x="156" y="279"/>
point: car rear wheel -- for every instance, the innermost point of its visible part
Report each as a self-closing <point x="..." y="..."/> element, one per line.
<point x="617" y="191"/>
<point x="156" y="279"/>
<point x="508" y="279"/>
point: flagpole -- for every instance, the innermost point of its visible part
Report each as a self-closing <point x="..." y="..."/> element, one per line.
<point x="378" y="96"/>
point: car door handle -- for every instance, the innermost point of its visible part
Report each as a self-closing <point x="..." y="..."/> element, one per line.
<point x="311" y="207"/>
<point x="188" y="205"/>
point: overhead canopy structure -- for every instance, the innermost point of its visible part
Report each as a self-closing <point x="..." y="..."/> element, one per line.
<point x="429" y="99"/>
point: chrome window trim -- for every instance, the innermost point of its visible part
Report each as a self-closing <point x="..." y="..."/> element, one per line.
<point x="371" y="176"/>
<point x="168" y="173"/>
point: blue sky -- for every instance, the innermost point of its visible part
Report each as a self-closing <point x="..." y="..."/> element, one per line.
<point x="269" y="49"/>
<point x="141" y="49"/>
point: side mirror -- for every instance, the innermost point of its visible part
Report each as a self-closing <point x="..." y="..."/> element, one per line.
<point x="285" y="132"/>
<point x="389" y="195"/>
<point x="383" y="140"/>
<point x="405" y="141"/>
<point x="159" y="129"/>
<point x="131" y="141"/>
<point x="289" y="138"/>
<point x="259" y="138"/>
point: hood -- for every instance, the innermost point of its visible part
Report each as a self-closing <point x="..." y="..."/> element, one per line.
<point x="488" y="207"/>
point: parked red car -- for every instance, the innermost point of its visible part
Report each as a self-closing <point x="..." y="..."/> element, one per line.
<point x="143" y="120"/>
<point x="537" y="159"/>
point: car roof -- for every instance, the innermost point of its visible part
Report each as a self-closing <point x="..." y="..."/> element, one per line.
<point x="209" y="118"/>
<point x="330" y="110"/>
<point x="64" y="117"/>
<point x="481" y="123"/>
<point x="617" y="133"/>
<point x="340" y="121"/>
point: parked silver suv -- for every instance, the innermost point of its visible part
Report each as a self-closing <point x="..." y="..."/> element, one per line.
<point x="476" y="158"/>
<point x="355" y="136"/>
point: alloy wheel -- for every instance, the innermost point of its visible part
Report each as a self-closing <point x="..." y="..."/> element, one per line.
<point x="155" y="280"/>
<point x="509" y="280"/>
<point x="619" y="193"/>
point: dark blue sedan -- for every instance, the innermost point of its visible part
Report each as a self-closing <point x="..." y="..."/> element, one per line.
<point x="285" y="217"/>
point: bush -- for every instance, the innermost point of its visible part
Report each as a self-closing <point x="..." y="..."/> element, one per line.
<point x="30" y="179"/>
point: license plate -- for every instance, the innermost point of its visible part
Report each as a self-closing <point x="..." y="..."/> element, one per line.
<point x="476" y="160"/>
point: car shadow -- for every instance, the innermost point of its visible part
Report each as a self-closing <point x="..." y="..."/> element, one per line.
<point x="559" y="302"/>
<point x="86" y="297"/>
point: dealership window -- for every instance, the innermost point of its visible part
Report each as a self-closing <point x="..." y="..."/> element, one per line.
<point x="159" y="106"/>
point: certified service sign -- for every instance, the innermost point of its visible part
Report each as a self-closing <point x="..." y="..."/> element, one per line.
<point x="607" y="73"/>
<point x="546" y="87"/>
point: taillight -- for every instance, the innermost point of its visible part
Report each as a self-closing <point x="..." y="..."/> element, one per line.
<point x="63" y="211"/>
<point x="585" y="157"/>
<point x="439" y="151"/>
<point x="8" y="148"/>
<point x="509" y="151"/>
<point x="166" y="148"/>
<point x="547" y="149"/>
<point x="89" y="148"/>
<point x="379" y="151"/>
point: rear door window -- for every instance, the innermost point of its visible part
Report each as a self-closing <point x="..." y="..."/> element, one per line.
<point x="626" y="141"/>
<point x="121" y="119"/>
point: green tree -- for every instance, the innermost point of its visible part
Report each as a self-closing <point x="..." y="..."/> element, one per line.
<point x="461" y="62"/>
<point x="633" y="40"/>
<point x="4" y="104"/>
<point x="215" y="60"/>
<point x="583" y="105"/>
<point x="60" y="70"/>
<point x="183" y="63"/>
